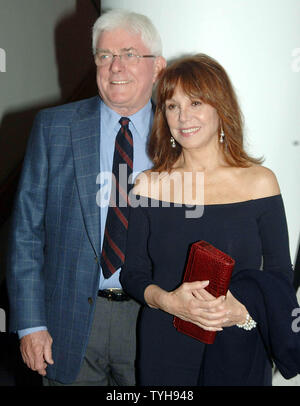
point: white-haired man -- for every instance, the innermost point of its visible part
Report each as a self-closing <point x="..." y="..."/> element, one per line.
<point x="76" y="325"/>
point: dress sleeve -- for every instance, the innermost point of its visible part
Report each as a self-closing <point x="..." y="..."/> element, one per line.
<point x="276" y="258"/>
<point x="136" y="274"/>
<point x="274" y="237"/>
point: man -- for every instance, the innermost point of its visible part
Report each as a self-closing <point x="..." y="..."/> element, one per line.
<point x="76" y="325"/>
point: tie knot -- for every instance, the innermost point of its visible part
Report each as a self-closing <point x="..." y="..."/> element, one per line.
<point x="124" y="121"/>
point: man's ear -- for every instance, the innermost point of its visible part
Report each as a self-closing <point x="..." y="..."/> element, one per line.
<point x="159" y="64"/>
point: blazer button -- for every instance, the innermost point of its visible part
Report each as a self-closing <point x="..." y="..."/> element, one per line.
<point x="90" y="300"/>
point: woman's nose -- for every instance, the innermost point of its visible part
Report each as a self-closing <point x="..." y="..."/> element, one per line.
<point x="183" y="114"/>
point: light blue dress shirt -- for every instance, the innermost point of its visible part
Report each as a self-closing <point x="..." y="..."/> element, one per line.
<point x="140" y="126"/>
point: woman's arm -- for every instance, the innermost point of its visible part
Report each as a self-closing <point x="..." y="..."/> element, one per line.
<point x="191" y="302"/>
<point x="136" y="279"/>
<point x="273" y="233"/>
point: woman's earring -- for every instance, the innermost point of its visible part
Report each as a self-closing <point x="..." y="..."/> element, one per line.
<point x="222" y="136"/>
<point x="173" y="143"/>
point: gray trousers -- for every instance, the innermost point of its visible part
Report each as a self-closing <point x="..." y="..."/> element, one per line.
<point x="111" y="350"/>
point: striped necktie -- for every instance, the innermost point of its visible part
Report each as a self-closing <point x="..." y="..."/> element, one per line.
<point x="114" y="244"/>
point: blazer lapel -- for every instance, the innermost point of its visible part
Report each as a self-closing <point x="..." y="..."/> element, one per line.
<point x="85" y="135"/>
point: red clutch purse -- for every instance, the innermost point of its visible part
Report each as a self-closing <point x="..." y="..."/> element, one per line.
<point x="205" y="262"/>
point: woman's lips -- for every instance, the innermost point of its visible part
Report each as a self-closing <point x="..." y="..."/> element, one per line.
<point x="186" y="132"/>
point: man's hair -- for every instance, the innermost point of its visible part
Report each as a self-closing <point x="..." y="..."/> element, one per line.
<point x="131" y="22"/>
<point x="199" y="77"/>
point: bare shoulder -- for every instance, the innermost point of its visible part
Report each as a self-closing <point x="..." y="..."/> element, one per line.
<point x="142" y="183"/>
<point x="262" y="182"/>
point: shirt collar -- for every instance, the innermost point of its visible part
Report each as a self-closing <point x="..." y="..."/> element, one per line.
<point x="141" y="120"/>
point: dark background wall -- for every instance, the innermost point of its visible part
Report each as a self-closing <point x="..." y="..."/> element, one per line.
<point x="48" y="62"/>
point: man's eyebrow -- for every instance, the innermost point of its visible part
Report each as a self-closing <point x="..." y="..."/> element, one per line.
<point x="103" y="50"/>
<point x="121" y="50"/>
<point x="128" y="49"/>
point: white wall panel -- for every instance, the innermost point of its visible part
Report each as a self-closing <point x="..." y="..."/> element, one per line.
<point x="258" y="42"/>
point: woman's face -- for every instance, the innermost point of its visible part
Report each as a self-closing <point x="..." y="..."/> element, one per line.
<point x="192" y="123"/>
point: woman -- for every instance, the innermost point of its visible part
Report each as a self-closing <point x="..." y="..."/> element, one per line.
<point x="198" y="130"/>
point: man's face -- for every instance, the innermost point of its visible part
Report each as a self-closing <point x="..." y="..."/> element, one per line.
<point x="123" y="87"/>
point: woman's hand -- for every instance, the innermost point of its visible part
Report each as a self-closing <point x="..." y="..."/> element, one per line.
<point x="235" y="311"/>
<point x="191" y="302"/>
<point x="186" y="303"/>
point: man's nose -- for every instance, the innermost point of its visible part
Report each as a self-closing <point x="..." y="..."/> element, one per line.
<point x="117" y="64"/>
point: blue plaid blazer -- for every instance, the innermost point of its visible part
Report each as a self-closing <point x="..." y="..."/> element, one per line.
<point x="53" y="267"/>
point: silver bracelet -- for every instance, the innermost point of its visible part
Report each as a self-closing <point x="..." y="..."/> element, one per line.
<point x="249" y="323"/>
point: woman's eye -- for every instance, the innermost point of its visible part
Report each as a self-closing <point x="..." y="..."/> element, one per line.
<point x="171" y="106"/>
<point x="196" y="103"/>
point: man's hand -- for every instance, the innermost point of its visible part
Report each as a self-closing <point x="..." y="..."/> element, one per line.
<point x="36" y="351"/>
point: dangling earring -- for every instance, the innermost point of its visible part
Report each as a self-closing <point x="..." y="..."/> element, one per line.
<point x="173" y="143"/>
<point x="222" y="136"/>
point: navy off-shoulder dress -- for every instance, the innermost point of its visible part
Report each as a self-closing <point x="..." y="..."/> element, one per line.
<point x="160" y="233"/>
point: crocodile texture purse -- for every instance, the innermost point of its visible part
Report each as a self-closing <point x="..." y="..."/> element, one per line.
<point x="205" y="262"/>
